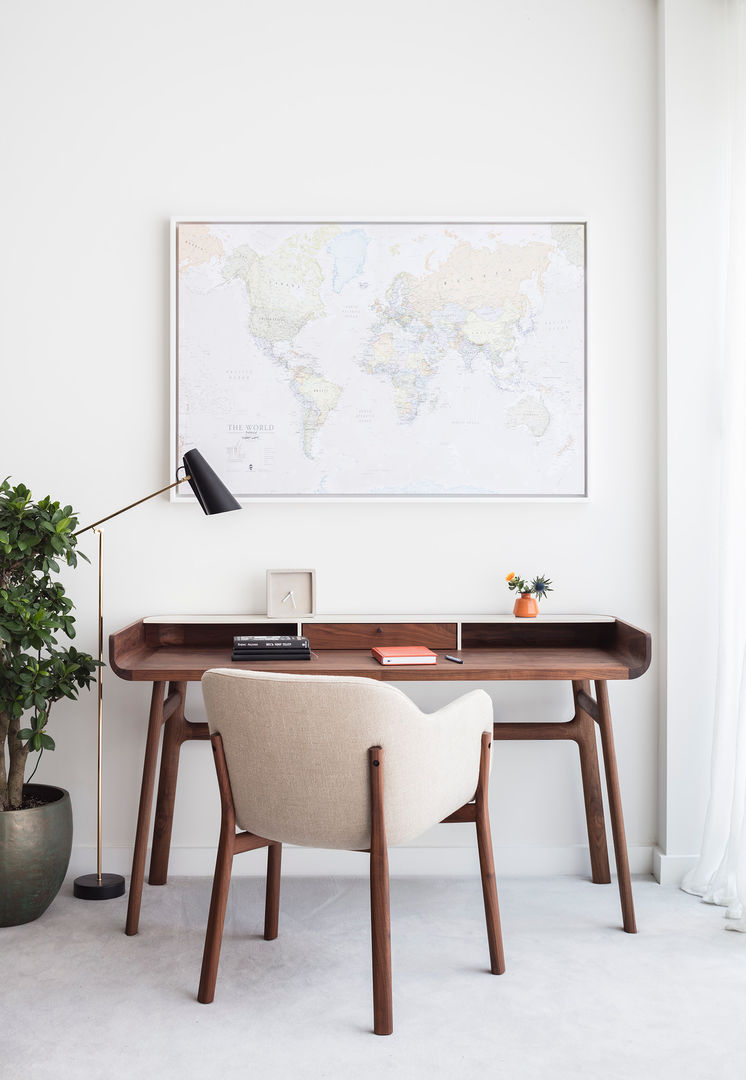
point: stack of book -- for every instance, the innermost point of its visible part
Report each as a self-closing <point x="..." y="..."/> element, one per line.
<point x="272" y="647"/>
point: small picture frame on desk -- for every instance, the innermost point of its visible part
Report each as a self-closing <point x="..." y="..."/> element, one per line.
<point x="291" y="594"/>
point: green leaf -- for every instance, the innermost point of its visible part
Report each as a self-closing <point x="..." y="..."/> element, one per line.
<point x="35" y="538"/>
<point x="47" y="741"/>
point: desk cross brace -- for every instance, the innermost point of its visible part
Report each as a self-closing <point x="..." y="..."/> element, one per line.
<point x="167" y="711"/>
<point x="581" y="731"/>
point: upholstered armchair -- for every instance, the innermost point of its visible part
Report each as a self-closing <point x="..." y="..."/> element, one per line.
<point x="348" y="763"/>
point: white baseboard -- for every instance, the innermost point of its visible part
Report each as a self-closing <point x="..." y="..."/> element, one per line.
<point x="512" y="861"/>
<point x="670" y="869"/>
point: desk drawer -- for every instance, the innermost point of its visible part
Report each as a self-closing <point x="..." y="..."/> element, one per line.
<point x="366" y="635"/>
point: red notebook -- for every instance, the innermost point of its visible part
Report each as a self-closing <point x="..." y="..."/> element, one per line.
<point x="404" y="654"/>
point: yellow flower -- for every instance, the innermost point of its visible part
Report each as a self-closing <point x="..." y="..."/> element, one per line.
<point x="510" y="576"/>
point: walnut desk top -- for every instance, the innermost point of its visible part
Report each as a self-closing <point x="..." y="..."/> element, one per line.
<point x="183" y="648"/>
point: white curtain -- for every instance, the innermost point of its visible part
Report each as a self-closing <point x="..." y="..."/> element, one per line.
<point x="720" y="874"/>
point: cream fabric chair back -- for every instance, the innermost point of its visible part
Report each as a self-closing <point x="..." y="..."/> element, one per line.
<point x="297" y="754"/>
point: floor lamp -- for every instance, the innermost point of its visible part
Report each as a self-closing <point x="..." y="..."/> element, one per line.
<point x="214" y="498"/>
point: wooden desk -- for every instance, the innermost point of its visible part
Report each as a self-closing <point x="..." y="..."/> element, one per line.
<point x="170" y="652"/>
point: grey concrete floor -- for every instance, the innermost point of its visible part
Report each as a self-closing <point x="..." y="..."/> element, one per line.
<point x="579" y="999"/>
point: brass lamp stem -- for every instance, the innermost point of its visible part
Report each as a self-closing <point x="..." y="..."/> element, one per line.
<point x="104" y="886"/>
<point x="126" y="508"/>
<point x="100" y="693"/>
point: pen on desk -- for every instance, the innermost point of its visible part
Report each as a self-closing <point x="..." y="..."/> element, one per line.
<point x="454" y="659"/>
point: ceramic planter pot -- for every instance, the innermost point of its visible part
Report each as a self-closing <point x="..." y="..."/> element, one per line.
<point x="35" y="848"/>
<point x="526" y="607"/>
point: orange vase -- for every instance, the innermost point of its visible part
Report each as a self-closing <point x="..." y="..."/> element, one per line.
<point x="526" y="607"/>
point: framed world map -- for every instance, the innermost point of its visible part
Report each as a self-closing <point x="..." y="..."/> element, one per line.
<point x="393" y="360"/>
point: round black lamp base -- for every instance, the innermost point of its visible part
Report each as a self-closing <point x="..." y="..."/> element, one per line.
<point x="91" y="887"/>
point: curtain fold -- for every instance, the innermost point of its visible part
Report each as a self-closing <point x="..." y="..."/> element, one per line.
<point x="720" y="875"/>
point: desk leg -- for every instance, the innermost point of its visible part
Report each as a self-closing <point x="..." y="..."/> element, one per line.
<point x="615" y="808"/>
<point x="173" y="736"/>
<point x="585" y="737"/>
<point x="146" y="802"/>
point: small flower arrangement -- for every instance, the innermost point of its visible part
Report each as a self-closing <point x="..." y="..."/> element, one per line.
<point x="539" y="587"/>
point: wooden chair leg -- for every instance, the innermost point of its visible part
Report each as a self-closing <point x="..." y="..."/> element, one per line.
<point x="591" y="777"/>
<point x="487" y="863"/>
<point x="380" y="913"/>
<point x="615" y="808"/>
<point x="222" y="879"/>
<point x="272" y="903"/>
<point x="216" y="920"/>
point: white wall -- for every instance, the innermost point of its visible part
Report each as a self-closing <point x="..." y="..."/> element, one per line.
<point x="124" y="115"/>
<point x="694" y="144"/>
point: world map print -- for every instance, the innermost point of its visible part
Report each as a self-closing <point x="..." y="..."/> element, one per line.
<point x="382" y="359"/>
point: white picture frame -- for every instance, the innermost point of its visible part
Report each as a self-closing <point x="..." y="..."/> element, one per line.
<point x="182" y="439"/>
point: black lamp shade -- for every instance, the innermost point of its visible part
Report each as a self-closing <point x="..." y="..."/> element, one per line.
<point x="212" y="494"/>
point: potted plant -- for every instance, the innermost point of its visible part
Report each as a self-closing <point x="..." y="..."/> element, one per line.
<point x="526" y="605"/>
<point x="35" y="819"/>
